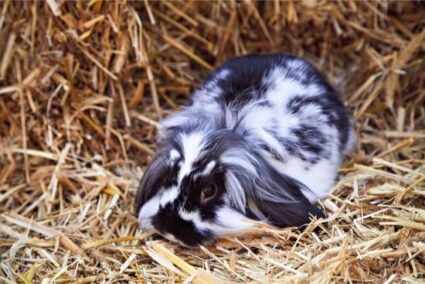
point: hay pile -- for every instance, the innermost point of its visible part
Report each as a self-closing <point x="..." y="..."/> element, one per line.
<point x="83" y="85"/>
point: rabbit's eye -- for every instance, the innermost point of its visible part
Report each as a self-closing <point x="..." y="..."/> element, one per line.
<point x="208" y="193"/>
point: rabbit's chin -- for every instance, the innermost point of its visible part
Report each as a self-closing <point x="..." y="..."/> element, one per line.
<point x="189" y="229"/>
<point x="228" y="221"/>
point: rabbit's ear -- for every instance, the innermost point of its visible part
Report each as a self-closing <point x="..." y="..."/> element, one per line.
<point x="279" y="198"/>
<point x="267" y="194"/>
<point x="294" y="214"/>
<point x="151" y="182"/>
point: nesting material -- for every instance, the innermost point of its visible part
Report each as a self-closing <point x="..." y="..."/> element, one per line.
<point x="83" y="85"/>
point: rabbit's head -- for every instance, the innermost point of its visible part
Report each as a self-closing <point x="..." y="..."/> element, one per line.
<point x="203" y="184"/>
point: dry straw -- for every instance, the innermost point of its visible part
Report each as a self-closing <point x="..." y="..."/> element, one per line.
<point x="83" y="85"/>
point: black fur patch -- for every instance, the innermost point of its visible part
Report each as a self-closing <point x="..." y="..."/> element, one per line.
<point x="310" y="142"/>
<point x="331" y="106"/>
<point x="168" y="221"/>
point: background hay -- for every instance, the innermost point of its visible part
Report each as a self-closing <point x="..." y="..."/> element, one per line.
<point x="83" y="85"/>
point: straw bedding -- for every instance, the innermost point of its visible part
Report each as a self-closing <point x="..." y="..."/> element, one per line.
<point x="84" y="84"/>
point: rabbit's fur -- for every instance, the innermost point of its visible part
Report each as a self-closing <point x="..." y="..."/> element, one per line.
<point x="264" y="133"/>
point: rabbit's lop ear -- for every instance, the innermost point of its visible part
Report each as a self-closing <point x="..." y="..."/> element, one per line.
<point x="279" y="199"/>
<point x="295" y="214"/>
<point x="151" y="182"/>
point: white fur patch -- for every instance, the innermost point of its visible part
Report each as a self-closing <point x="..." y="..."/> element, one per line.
<point x="174" y="155"/>
<point x="284" y="88"/>
<point x="222" y="74"/>
<point x="208" y="168"/>
<point x="228" y="221"/>
<point x="192" y="147"/>
<point x="173" y="120"/>
<point x="296" y="64"/>
<point x="189" y="216"/>
<point x="169" y="195"/>
<point x="148" y="210"/>
<point x="212" y="108"/>
<point x="213" y="90"/>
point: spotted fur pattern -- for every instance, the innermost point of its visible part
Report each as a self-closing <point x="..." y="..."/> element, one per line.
<point x="267" y="130"/>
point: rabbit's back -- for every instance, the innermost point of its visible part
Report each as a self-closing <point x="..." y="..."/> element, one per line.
<point x="284" y="108"/>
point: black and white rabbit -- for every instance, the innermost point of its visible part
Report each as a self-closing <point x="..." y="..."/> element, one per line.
<point x="262" y="139"/>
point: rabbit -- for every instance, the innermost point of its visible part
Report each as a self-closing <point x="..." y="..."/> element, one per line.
<point x="261" y="139"/>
